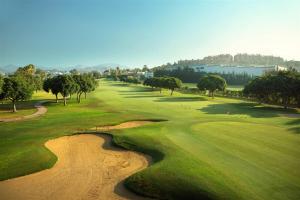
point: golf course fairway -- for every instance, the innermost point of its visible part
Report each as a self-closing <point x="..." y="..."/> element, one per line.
<point x="205" y="149"/>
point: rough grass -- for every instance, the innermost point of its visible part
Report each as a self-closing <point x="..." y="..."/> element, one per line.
<point x="208" y="149"/>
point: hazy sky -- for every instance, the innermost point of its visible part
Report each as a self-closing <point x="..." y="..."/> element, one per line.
<point x="137" y="32"/>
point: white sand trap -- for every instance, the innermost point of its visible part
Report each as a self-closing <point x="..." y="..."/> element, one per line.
<point x="40" y="111"/>
<point x="88" y="168"/>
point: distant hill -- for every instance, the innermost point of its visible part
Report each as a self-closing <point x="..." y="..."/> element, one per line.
<point x="8" y="68"/>
<point x="246" y="60"/>
<point x="83" y="68"/>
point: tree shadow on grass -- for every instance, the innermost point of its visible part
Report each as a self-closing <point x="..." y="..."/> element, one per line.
<point x="142" y="96"/>
<point x="251" y="109"/>
<point x="296" y="126"/>
<point x="119" y="84"/>
<point x="180" y="99"/>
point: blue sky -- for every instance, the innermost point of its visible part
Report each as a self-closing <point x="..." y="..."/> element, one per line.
<point x="137" y="32"/>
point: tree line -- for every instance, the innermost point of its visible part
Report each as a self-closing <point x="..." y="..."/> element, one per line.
<point x="281" y="87"/>
<point x="238" y="59"/>
<point x="170" y="83"/>
<point x="189" y="75"/>
<point x="128" y="79"/>
<point x="21" y="85"/>
<point x="67" y="85"/>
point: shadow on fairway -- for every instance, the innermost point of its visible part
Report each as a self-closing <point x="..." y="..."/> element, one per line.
<point x="142" y="96"/>
<point x="119" y="84"/>
<point x="251" y="109"/>
<point x="136" y="89"/>
<point x="180" y="99"/>
<point x="296" y="124"/>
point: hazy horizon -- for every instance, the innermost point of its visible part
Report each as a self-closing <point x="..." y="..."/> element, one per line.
<point x="133" y="33"/>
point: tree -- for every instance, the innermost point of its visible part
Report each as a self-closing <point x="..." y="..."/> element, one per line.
<point x="74" y="72"/>
<point x="257" y="88"/>
<point x="277" y="87"/>
<point x="86" y="83"/>
<point x="52" y="84"/>
<point x="66" y="86"/>
<point x="27" y="70"/>
<point x="16" y="89"/>
<point x="1" y="83"/>
<point x="96" y="74"/>
<point x="212" y="83"/>
<point x="171" y="83"/>
<point x="1" y="88"/>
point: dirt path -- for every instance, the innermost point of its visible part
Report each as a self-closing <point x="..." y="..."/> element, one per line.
<point x="88" y="168"/>
<point x="40" y="111"/>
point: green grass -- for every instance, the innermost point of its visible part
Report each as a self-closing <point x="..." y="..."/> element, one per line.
<point x="235" y="87"/>
<point x="209" y="149"/>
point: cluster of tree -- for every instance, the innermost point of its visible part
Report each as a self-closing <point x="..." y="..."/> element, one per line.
<point x="20" y="85"/>
<point x="292" y="64"/>
<point x="33" y="76"/>
<point x="129" y="79"/>
<point x="238" y="59"/>
<point x="237" y="79"/>
<point x="170" y="83"/>
<point x="66" y="85"/>
<point x="189" y="75"/>
<point x="218" y="59"/>
<point x="212" y="83"/>
<point x="186" y="74"/>
<point x="227" y="59"/>
<point x="278" y="87"/>
<point x="257" y="59"/>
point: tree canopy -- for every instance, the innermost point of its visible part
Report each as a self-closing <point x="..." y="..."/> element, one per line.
<point x="170" y="83"/>
<point x="15" y="89"/>
<point x="67" y="85"/>
<point x="280" y="87"/>
<point x="212" y="83"/>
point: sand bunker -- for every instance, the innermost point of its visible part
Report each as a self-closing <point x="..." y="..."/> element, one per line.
<point x="40" y="111"/>
<point x="87" y="168"/>
<point x="124" y="125"/>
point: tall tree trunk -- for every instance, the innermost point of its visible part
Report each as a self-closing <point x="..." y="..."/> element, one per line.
<point x="79" y="97"/>
<point x="160" y="91"/>
<point x="212" y="94"/>
<point x="85" y="95"/>
<point x="56" y="100"/>
<point x="172" y="92"/>
<point x="14" y="107"/>
<point x="65" y="101"/>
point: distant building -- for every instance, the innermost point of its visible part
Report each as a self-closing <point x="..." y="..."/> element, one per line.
<point x="149" y="74"/>
<point x="145" y="74"/>
<point x="251" y="70"/>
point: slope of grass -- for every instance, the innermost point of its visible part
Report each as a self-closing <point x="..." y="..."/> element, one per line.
<point x="208" y="149"/>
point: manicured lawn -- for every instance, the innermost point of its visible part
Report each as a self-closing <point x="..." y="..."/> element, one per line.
<point x="214" y="149"/>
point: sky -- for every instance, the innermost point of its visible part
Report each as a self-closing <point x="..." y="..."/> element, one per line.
<point x="144" y="32"/>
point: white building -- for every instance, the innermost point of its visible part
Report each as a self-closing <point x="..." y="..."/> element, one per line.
<point x="149" y="74"/>
<point x="251" y="70"/>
